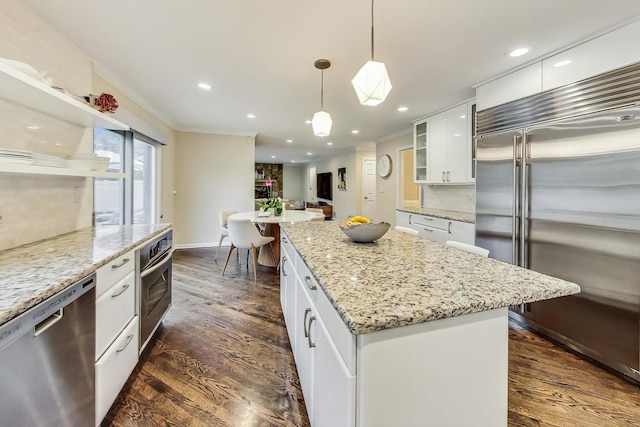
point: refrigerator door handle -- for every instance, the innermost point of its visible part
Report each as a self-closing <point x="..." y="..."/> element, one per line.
<point x="514" y="213"/>
<point x="524" y="202"/>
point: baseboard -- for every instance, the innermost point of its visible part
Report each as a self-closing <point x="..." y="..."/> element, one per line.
<point x="199" y="245"/>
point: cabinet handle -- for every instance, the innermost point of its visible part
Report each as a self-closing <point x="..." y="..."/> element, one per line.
<point x="124" y="288"/>
<point x="448" y="176"/>
<point x="284" y="239"/>
<point x="284" y="264"/>
<point x="124" y="261"/>
<point x="410" y="218"/>
<point x="307" y="281"/>
<point x="304" y="322"/>
<point x="443" y="180"/>
<point x="428" y="229"/>
<point x="311" y="344"/>
<point x="449" y="228"/>
<point x="129" y="338"/>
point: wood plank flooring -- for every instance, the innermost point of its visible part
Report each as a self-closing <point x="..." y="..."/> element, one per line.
<point x="222" y="358"/>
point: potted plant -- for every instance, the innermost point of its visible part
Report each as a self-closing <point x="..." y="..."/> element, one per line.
<point x="271" y="202"/>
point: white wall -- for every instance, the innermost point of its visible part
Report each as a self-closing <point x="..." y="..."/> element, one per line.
<point x="212" y="173"/>
<point x="37" y="207"/>
<point x="294" y="178"/>
<point x="387" y="188"/>
<point x="349" y="202"/>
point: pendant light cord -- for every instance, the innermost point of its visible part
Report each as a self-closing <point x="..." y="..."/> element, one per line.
<point x="321" y="90"/>
<point x="372" y="30"/>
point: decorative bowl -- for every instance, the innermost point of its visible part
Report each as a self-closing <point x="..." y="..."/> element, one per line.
<point x="364" y="233"/>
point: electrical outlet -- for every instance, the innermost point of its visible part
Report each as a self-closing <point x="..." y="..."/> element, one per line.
<point x="470" y="199"/>
<point x="1" y="223"/>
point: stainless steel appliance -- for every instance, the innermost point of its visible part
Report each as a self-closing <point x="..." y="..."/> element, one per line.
<point x="47" y="361"/>
<point x="154" y="261"/>
<point x="558" y="191"/>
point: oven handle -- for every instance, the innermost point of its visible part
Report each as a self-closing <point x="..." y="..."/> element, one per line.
<point x="166" y="258"/>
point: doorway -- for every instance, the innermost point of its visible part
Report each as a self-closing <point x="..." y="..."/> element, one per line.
<point x="409" y="193"/>
<point x="369" y="187"/>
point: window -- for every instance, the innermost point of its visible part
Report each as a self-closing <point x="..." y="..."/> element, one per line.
<point x="130" y="200"/>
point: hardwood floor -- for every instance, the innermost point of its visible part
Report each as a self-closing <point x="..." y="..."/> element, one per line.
<point x="222" y="358"/>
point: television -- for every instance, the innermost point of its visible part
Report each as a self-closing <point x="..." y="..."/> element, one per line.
<point x="323" y="186"/>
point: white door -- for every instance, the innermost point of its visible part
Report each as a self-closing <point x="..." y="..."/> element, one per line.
<point x="369" y="187"/>
<point x="311" y="195"/>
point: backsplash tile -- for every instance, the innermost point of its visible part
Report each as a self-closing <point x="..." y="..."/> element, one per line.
<point x="449" y="197"/>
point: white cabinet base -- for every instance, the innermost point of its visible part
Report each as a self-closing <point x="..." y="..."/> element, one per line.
<point x="114" y="367"/>
<point x="449" y="372"/>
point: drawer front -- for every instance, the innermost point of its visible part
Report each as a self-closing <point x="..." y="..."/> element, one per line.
<point x="309" y="283"/>
<point x="417" y="221"/>
<point x="114" y="309"/>
<point x="463" y="232"/>
<point x="114" y="271"/>
<point x="343" y="339"/>
<point x="114" y="367"/>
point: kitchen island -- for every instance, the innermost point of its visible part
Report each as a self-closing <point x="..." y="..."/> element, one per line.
<point x="405" y="331"/>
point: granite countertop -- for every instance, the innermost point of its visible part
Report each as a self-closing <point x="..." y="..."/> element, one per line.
<point x="440" y="213"/>
<point x="402" y="279"/>
<point x="31" y="273"/>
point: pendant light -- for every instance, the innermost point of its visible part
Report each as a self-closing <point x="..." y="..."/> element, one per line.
<point x="321" y="121"/>
<point x="372" y="84"/>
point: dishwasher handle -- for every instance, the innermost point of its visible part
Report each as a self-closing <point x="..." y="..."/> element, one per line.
<point x="48" y="322"/>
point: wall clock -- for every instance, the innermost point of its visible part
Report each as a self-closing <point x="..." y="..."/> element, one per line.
<point x="384" y="166"/>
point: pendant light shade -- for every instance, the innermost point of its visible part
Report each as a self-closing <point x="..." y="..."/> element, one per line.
<point x="321" y="121"/>
<point x="371" y="83"/>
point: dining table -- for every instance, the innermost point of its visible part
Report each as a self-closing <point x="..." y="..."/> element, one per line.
<point x="270" y="254"/>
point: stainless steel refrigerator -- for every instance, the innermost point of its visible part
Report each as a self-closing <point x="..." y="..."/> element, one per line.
<point x="558" y="191"/>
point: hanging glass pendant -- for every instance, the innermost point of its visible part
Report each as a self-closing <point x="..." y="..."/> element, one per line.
<point x="321" y="123"/>
<point x="372" y="84"/>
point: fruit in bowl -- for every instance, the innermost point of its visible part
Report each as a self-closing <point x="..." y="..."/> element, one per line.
<point x="362" y="229"/>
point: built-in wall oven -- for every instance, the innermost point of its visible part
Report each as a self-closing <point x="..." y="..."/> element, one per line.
<point x="154" y="261"/>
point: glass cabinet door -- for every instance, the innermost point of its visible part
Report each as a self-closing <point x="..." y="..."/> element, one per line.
<point x="420" y="152"/>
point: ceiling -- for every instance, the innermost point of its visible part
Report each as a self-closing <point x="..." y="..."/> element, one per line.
<point x="258" y="56"/>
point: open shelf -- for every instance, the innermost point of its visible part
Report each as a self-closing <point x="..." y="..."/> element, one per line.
<point x="18" y="87"/>
<point x="45" y="170"/>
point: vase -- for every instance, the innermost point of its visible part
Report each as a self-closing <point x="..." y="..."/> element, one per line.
<point x="278" y="210"/>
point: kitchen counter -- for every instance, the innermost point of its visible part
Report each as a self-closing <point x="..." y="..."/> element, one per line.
<point x="403" y="280"/>
<point x="439" y="213"/>
<point x="31" y="273"/>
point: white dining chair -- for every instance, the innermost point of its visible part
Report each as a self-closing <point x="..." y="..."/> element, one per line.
<point x="224" y="217"/>
<point x="244" y="235"/>
<point x="406" y="230"/>
<point x="467" y="247"/>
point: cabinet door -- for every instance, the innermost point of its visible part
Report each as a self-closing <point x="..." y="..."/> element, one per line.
<point x="420" y="152"/>
<point x="457" y="148"/>
<point x="305" y="312"/>
<point x="334" y="389"/>
<point x="516" y="85"/>
<point x="463" y="232"/>
<point x="437" y="149"/>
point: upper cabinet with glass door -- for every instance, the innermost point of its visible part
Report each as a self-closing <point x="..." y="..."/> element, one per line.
<point x="420" y="152"/>
<point x="447" y="157"/>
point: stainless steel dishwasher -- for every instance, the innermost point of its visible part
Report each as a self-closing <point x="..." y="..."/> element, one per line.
<point x="47" y="361"/>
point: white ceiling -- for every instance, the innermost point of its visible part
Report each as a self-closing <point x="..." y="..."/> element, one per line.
<point x="259" y="56"/>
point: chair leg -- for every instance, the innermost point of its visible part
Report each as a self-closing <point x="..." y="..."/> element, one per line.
<point x="228" y="256"/>
<point x="255" y="266"/>
<point x="219" y="244"/>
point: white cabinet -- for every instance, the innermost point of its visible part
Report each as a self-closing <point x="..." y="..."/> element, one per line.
<point x="518" y="84"/>
<point x="420" y="151"/>
<point x="323" y="348"/>
<point x="449" y="146"/>
<point x="442" y="147"/>
<point x="117" y="329"/>
<point x="607" y="52"/>
<point x="437" y="229"/>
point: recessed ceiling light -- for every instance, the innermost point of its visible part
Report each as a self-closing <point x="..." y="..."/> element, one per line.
<point x="355" y="131"/>
<point x="293" y="161"/>
<point x="273" y="157"/>
<point x="402" y="109"/>
<point x="203" y="85"/>
<point x="308" y="122"/>
<point x="33" y="127"/>
<point x="329" y="143"/>
<point x="308" y="154"/>
<point x="519" y="51"/>
<point x="562" y="63"/>
<point x="289" y="141"/>
<point x="251" y="116"/>
<point x="464" y="116"/>
<point x="457" y="134"/>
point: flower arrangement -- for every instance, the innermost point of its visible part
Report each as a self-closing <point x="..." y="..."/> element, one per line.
<point x="105" y="103"/>
<point x="271" y="202"/>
